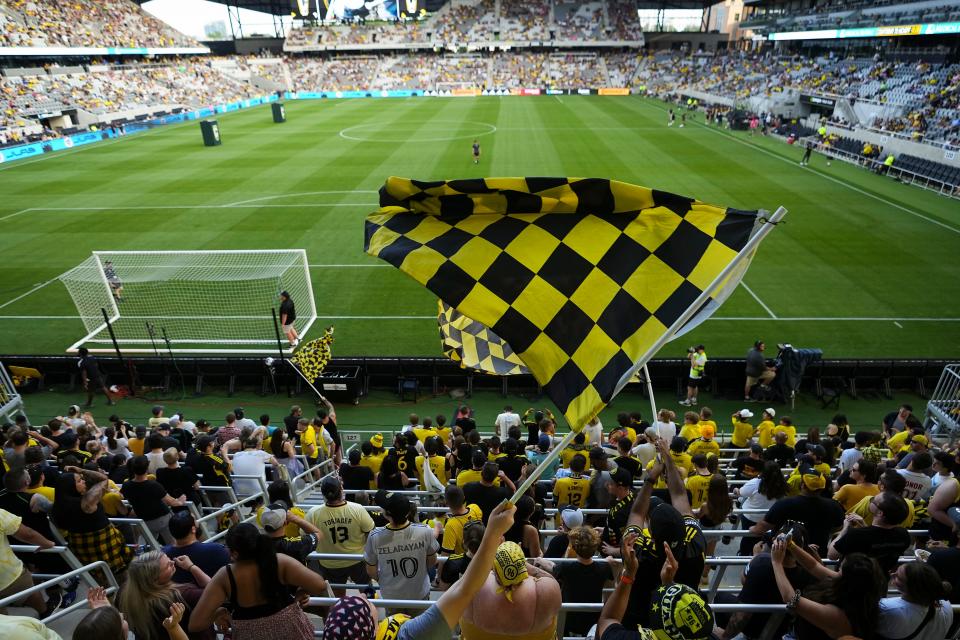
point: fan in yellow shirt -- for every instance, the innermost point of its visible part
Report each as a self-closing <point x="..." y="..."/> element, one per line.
<point x="742" y="430"/>
<point x="897" y="441"/>
<point x="705" y="444"/>
<point x="690" y="430"/>
<point x="438" y="464"/>
<point x="578" y="447"/>
<point x="698" y="483"/>
<point x="766" y="427"/>
<point x="706" y="419"/>
<point x="575" y="488"/>
<point x="786" y="425"/>
<point x="457" y="519"/>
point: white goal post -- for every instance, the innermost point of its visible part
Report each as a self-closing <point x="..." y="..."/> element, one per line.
<point x="201" y="301"/>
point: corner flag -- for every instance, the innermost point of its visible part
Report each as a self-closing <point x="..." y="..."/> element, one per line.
<point x="584" y="278"/>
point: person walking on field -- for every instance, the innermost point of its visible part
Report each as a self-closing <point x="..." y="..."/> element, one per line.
<point x="91" y="377"/>
<point x="287" y="315"/>
<point x="476" y="152"/>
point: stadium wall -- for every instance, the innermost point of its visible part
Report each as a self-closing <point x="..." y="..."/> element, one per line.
<point x="27" y="151"/>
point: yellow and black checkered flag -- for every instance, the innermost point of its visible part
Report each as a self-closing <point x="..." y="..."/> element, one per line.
<point x="582" y="277"/>
<point x="475" y="346"/>
<point x="314" y="356"/>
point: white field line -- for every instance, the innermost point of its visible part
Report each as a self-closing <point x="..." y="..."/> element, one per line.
<point x="15" y="214"/>
<point x="757" y="298"/>
<point x="826" y="177"/>
<point x="399" y="317"/>
<point x="24" y="295"/>
<point x="294" y="195"/>
<point x="898" y="324"/>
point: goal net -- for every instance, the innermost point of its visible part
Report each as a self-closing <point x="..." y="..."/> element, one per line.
<point x="204" y="301"/>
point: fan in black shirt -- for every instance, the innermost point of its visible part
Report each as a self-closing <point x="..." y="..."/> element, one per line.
<point x="484" y="494"/>
<point x="779" y="451"/>
<point x="751" y="465"/>
<point x="355" y="476"/>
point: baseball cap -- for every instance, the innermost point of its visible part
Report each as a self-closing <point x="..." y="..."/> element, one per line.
<point x="679" y="613"/>
<point x="331" y="488"/>
<point x="817" y="450"/>
<point x="707" y="431"/>
<point x="163" y="426"/>
<point x="285" y="294"/>
<point x="666" y="523"/>
<point x="174" y="420"/>
<point x="395" y="505"/>
<point x="921" y="439"/>
<point x="814" y="481"/>
<point x="745" y="413"/>
<point x="771" y="412"/>
<point x="377" y="440"/>
<point x="597" y="453"/>
<point x="572" y="517"/>
<point x="273" y="518"/>
<point x="544" y="442"/>
<point x="622" y="477"/>
<point x="349" y="619"/>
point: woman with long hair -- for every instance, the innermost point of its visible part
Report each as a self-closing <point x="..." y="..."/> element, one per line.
<point x="149" y="592"/>
<point x="79" y="511"/>
<point x="759" y="494"/>
<point x="282" y="449"/>
<point x="813" y="438"/>
<point x="390" y="476"/>
<point x="258" y="584"/>
<point x="116" y="445"/>
<point x="716" y="508"/>
<point x="842" y="603"/>
<point x="523" y="532"/>
<point x="922" y="610"/>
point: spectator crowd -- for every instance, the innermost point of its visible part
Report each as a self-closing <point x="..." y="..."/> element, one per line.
<point x="238" y="524"/>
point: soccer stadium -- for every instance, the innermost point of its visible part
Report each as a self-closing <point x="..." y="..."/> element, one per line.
<point x="479" y="319"/>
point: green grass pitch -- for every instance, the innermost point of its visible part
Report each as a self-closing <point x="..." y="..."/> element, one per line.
<point x="863" y="267"/>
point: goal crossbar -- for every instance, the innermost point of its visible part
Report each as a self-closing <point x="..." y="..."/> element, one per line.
<point x="190" y="301"/>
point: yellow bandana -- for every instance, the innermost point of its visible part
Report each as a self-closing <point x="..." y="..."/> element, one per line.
<point x="510" y="565"/>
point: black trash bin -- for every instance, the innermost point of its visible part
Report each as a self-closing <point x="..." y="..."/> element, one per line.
<point x="211" y="133"/>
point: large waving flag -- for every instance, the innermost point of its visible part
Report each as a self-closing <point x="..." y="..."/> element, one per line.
<point x="584" y="278"/>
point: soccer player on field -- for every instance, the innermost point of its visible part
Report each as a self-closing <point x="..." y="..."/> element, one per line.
<point x="287" y="315"/>
<point x="476" y="152"/>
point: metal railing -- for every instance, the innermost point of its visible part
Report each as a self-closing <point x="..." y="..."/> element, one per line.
<point x="85" y="570"/>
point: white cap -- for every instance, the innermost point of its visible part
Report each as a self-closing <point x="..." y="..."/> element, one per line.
<point x="746" y="413"/>
<point x="770" y="412"/>
<point x="572" y="518"/>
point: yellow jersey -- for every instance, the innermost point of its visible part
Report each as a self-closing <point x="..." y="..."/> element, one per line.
<point x="697" y="485"/>
<point x="793" y="482"/>
<point x="572" y="490"/>
<point x="422" y="434"/>
<point x="897" y="440"/>
<point x="46" y="492"/>
<point x="452" y="541"/>
<point x="567" y="455"/>
<point x="690" y="432"/>
<point x="291" y="530"/>
<point x="373" y="463"/>
<point x="791" y="432"/>
<point x="136" y="445"/>
<point x="706" y="447"/>
<point x="765" y="433"/>
<point x="493" y="457"/>
<point x="742" y="433"/>
<point x="862" y="509"/>
<point x="683" y="462"/>
<point x="309" y="437"/>
<point x="711" y="423"/>
<point x="343" y="529"/>
<point x="438" y="464"/>
<point x="472" y="475"/>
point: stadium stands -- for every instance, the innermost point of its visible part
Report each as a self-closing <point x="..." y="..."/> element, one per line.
<point x="83" y="23"/>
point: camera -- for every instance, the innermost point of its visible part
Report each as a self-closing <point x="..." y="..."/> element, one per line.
<point x="690" y="349"/>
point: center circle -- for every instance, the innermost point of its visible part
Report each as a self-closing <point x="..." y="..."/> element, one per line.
<point x="357" y="132"/>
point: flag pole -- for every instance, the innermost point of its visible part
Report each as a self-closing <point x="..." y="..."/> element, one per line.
<point x="691" y="311"/>
<point x="704" y="296"/>
<point x="546" y="462"/>
<point x="653" y="401"/>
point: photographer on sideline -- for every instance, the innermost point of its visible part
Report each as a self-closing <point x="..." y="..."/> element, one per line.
<point x="698" y="362"/>
<point x="757" y="369"/>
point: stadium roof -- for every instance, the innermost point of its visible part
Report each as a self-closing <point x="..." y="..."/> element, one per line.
<point x="283" y="7"/>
